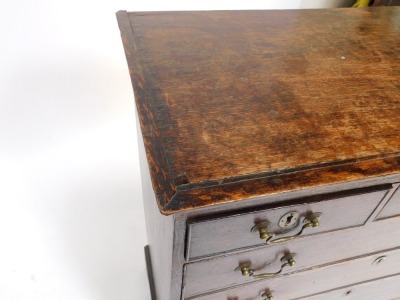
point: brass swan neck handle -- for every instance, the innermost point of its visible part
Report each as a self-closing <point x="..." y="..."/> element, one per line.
<point x="311" y="221"/>
<point x="287" y="261"/>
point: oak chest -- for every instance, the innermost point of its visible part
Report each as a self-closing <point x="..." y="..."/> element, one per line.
<point x="270" y="152"/>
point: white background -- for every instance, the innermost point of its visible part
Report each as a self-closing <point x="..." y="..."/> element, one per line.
<point x="71" y="216"/>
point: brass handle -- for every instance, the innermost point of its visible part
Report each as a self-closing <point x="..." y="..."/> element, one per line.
<point x="311" y="221"/>
<point x="247" y="270"/>
<point x="267" y="296"/>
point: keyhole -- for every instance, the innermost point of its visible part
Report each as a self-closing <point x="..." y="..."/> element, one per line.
<point x="288" y="220"/>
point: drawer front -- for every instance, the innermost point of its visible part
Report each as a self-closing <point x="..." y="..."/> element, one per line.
<point x="311" y="251"/>
<point x="392" y="208"/>
<point x="234" y="232"/>
<point x="387" y="288"/>
<point x="303" y="284"/>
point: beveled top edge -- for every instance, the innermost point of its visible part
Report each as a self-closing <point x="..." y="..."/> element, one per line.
<point x="174" y="197"/>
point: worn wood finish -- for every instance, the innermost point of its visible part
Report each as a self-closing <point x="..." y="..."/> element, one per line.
<point x="222" y="234"/>
<point x="311" y="251"/>
<point x="244" y="111"/>
<point x="392" y="207"/>
<point x="302" y="284"/>
<point x="234" y="97"/>
<point x="262" y="202"/>
<point x="160" y="235"/>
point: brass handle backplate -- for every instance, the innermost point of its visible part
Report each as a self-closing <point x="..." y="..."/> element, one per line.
<point x="311" y="221"/>
<point x="246" y="269"/>
<point x="267" y="296"/>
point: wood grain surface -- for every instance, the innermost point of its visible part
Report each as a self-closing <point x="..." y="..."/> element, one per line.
<point x="238" y="104"/>
<point x="218" y="234"/>
<point x="218" y="272"/>
<point x="317" y="280"/>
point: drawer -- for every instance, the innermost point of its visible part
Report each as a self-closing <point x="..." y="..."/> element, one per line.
<point x="310" y="252"/>
<point x="227" y="233"/>
<point x="392" y="207"/>
<point x="387" y="288"/>
<point x="302" y="285"/>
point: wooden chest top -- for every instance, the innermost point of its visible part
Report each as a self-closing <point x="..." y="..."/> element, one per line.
<point x="238" y="104"/>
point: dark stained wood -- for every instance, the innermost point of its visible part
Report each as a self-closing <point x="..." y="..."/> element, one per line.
<point x="217" y="273"/>
<point x="284" y="183"/>
<point x="166" y="237"/>
<point x="218" y="234"/>
<point x="386" y="288"/>
<point x="150" y="274"/>
<point x="243" y="111"/>
<point x="160" y="234"/>
<point x="348" y="242"/>
<point x="376" y="2"/>
<point x="391" y="2"/>
<point x="152" y="139"/>
<point x="239" y="104"/>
